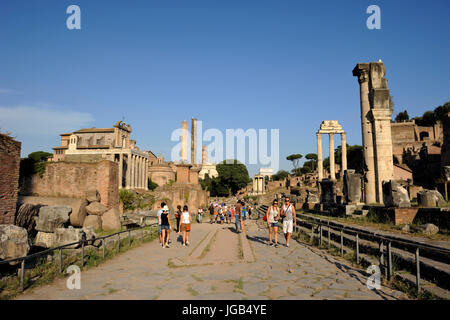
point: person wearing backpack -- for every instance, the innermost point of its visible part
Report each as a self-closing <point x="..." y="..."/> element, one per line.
<point x="272" y="217"/>
<point x="289" y="219"/>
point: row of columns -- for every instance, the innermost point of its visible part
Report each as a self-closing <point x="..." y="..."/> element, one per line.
<point x="258" y="184"/>
<point x="136" y="175"/>
<point x="332" y="161"/>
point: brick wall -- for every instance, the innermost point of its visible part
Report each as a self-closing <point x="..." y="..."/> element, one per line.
<point x="9" y="178"/>
<point x="74" y="179"/>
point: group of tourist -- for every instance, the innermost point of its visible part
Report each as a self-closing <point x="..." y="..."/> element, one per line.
<point x="273" y="215"/>
<point x="226" y="213"/>
<point x="183" y="224"/>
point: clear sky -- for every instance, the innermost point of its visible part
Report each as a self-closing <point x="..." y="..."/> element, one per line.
<point x="274" y="64"/>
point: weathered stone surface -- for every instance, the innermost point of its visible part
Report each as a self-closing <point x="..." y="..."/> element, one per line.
<point x="430" y="198"/>
<point x="25" y="216"/>
<point x="77" y="216"/>
<point x="429" y="229"/>
<point x="328" y="192"/>
<point x="68" y="235"/>
<point x="352" y="187"/>
<point x="45" y="239"/>
<point x="52" y="217"/>
<point x="394" y="195"/>
<point x="93" y="221"/>
<point x="111" y="220"/>
<point x="96" y="208"/>
<point x="93" y="196"/>
<point x="13" y="242"/>
<point x="406" y="228"/>
<point x="311" y="197"/>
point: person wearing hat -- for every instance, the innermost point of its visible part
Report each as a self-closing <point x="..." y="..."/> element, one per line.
<point x="166" y="226"/>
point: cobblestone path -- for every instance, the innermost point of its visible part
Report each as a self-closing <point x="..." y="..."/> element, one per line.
<point x="219" y="264"/>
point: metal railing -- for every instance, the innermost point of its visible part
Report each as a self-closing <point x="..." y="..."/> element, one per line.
<point x="387" y="241"/>
<point x="82" y="243"/>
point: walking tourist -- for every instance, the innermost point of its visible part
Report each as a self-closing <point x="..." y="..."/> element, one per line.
<point x="237" y="215"/>
<point x="272" y="218"/>
<point x="243" y="215"/>
<point x="211" y="213"/>
<point x="177" y="217"/>
<point x="289" y="219"/>
<point x="166" y="226"/>
<point x="199" y="215"/>
<point x="185" y="225"/>
<point x="158" y="214"/>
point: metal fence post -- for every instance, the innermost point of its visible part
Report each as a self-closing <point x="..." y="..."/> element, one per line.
<point x="320" y="237"/>
<point x="129" y="238"/>
<point x="60" y="260"/>
<point x="22" y="275"/>
<point x="342" y="242"/>
<point x="142" y="235"/>
<point x="382" y="255"/>
<point x="118" y="242"/>
<point x="312" y="232"/>
<point x="417" y="270"/>
<point x="103" y="248"/>
<point x="357" y="248"/>
<point x="82" y="253"/>
<point x="329" y="236"/>
<point x="389" y="260"/>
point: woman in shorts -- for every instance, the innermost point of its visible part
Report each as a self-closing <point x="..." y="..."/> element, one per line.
<point x="185" y="225"/>
<point x="272" y="217"/>
<point x="165" y="226"/>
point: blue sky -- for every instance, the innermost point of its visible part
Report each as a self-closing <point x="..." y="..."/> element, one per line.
<point x="278" y="64"/>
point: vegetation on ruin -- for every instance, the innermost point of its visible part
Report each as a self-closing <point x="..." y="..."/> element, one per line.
<point x="132" y="200"/>
<point x="35" y="162"/>
<point x="233" y="176"/>
<point x="429" y="117"/>
<point x="152" y="185"/>
<point x="280" y="175"/>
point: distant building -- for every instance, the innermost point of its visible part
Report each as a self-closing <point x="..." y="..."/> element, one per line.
<point x="114" y="144"/>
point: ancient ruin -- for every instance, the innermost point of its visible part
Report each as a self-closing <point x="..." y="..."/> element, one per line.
<point x="376" y="113"/>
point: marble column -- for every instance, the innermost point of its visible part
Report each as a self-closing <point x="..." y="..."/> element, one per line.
<point x="319" y="157"/>
<point x="133" y="166"/>
<point x="128" y="174"/>
<point x="146" y="174"/>
<point x="260" y="185"/>
<point x="255" y="184"/>
<point x="332" y="169"/>
<point x="120" y="170"/>
<point x="362" y="72"/>
<point x="344" y="154"/>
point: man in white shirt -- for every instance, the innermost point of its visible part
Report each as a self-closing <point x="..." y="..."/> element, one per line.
<point x="289" y="219"/>
<point x="159" y="222"/>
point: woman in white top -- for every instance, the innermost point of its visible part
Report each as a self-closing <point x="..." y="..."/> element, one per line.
<point x="185" y="225"/>
<point x="272" y="217"/>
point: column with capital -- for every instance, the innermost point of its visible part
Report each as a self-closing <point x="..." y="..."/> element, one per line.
<point x="128" y="173"/>
<point x="120" y="170"/>
<point x="133" y="168"/>
<point x="362" y="72"/>
<point x="319" y="157"/>
<point x="332" y="170"/>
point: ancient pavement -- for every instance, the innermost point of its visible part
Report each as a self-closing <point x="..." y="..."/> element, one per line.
<point x="219" y="264"/>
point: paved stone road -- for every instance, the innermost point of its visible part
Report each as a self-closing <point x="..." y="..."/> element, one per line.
<point x="298" y="272"/>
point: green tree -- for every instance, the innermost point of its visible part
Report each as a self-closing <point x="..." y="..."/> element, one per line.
<point x="295" y="158"/>
<point x="39" y="156"/>
<point x="152" y="185"/>
<point x="280" y="175"/>
<point x="313" y="158"/>
<point x="233" y="175"/>
<point x="402" y="116"/>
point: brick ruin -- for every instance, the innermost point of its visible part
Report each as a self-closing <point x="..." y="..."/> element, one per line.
<point x="9" y="178"/>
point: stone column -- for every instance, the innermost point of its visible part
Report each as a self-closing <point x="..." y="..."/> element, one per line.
<point x="194" y="141"/>
<point x="332" y="169"/>
<point x="120" y="170"/>
<point x="146" y="174"/>
<point x="133" y="174"/>
<point x="128" y="174"/>
<point x="184" y="141"/>
<point x="344" y="154"/>
<point x="260" y="186"/>
<point x="255" y="185"/>
<point x="319" y="157"/>
<point x="362" y="72"/>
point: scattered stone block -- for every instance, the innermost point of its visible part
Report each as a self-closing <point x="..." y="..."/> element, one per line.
<point x="352" y="186"/>
<point x="96" y="208"/>
<point x="394" y="195"/>
<point x="68" y="235"/>
<point x="52" y="217"/>
<point x="93" y="221"/>
<point x="13" y="242"/>
<point x="430" y="198"/>
<point x="93" y="196"/>
<point x="429" y="229"/>
<point x="111" y="220"/>
<point x="45" y="239"/>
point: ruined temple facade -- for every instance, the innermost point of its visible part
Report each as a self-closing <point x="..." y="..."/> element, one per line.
<point x="114" y="144"/>
<point x="376" y="114"/>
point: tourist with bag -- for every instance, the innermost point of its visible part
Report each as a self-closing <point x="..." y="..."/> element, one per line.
<point x="289" y="219"/>
<point x="272" y="218"/>
<point x="185" y="225"/>
<point x="177" y="217"/>
<point x="237" y="215"/>
<point x="165" y="226"/>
